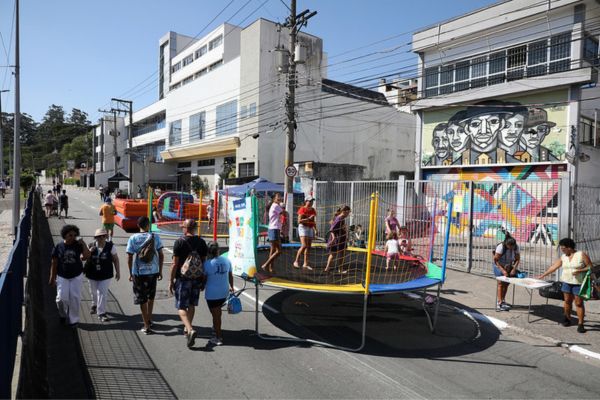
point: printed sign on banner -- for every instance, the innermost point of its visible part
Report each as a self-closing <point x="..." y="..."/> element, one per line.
<point x="241" y="237"/>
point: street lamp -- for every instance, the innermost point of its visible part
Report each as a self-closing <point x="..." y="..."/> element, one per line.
<point x="1" y="138"/>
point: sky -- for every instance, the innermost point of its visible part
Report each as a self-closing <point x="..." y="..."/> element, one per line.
<point x="80" y="53"/>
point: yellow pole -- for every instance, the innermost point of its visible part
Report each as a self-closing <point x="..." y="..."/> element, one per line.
<point x="200" y="214"/>
<point x="371" y="239"/>
<point x="150" y="191"/>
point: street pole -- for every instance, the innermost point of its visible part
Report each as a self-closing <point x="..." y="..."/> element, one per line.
<point x="17" y="131"/>
<point x="115" y="140"/>
<point x="1" y="139"/>
<point x="290" y="113"/>
<point x="129" y="138"/>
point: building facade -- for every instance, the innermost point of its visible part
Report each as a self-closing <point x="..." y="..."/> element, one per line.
<point x="507" y="97"/>
<point x="221" y="111"/>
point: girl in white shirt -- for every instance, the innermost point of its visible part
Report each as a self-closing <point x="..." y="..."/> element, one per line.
<point x="392" y="250"/>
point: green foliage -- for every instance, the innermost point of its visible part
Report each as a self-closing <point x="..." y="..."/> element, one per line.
<point x="557" y="149"/>
<point x="72" y="181"/>
<point x="27" y="180"/>
<point x="199" y="184"/>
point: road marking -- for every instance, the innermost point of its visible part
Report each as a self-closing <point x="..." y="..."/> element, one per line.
<point x="585" y="352"/>
<point x="261" y="303"/>
<point x="498" y="323"/>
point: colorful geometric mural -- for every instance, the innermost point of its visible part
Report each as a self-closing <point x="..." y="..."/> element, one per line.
<point x="523" y="130"/>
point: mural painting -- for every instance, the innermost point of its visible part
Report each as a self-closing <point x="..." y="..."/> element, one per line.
<point x="497" y="132"/>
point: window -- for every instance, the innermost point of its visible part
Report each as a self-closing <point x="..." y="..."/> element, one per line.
<point x="537" y="58"/>
<point x="176" y="67"/>
<point x="201" y="51"/>
<point x="226" y="118"/>
<point x="198" y="74"/>
<point x="252" y="110"/>
<point x="590" y="50"/>
<point x="206" y="163"/>
<point x="446" y="79"/>
<point x="560" y="52"/>
<point x="216" y="42"/>
<point x="158" y="148"/>
<point x="243" y="112"/>
<point x="246" y="169"/>
<point x="586" y="132"/>
<point x="175" y="86"/>
<point x="515" y="63"/>
<point x="175" y="133"/>
<point x="478" y="72"/>
<point x="187" y="80"/>
<point x="497" y="67"/>
<point x="462" y="76"/>
<point x="197" y="123"/>
<point x="188" y="60"/>
<point x="431" y="81"/>
<point x="185" y="164"/>
<point x="147" y="125"/>
<point x="215" y="65"/>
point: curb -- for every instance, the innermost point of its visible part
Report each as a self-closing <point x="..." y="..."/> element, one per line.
<point x="502" y="325"/>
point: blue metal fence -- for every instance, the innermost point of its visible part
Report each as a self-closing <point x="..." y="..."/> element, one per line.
<point x="11" y="300"/>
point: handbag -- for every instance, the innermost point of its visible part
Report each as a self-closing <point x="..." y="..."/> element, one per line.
<point x="585" y="292"/>
<point x="552" y="292"/>
<point x="234" y="304"/>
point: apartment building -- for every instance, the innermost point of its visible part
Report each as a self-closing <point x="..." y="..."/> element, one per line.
<point x="508" y="97"/>
<point x="221" y="111"/>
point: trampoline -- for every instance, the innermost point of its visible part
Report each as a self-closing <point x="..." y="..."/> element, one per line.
<point x="360" y="271"/>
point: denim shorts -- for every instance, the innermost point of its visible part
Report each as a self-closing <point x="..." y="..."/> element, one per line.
<point x="306" y="231"/>
<point x="498" y="272"/>
<point x="571" y="289"/>
<point x="274" y="235"/>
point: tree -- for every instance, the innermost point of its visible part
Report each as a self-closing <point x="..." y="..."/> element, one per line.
<point x="79" y="118"/>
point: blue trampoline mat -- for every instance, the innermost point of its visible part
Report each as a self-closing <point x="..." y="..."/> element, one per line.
<point x="419" y="283"/>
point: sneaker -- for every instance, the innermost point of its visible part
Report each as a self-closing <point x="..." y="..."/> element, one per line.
<point x="191" y="339"/>
<point x="500" y="307"/>
<point x="505" y="305"/>
<point x="93" y="310"/>
<point x="308" y="268"/>
<point x="566" y="322"/>
<point x="103" y="318"/>
<point x="581" y="328"/>
<point x="147" y="331"/>
<point x="215" y="341"/>
<point x="296" y="265"/>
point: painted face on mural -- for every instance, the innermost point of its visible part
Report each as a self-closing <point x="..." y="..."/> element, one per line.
<point x="458" y="137"/>
<point x="440" y="143"/>
<point x="534" y="136"/>
<point x="512" y="130"/>
<point x="484" y="129"/>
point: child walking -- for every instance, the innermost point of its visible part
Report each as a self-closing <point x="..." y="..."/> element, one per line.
<point x="392" y="250"/>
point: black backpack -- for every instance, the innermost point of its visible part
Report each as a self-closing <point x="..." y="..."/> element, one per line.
<point x="147" y="252"/>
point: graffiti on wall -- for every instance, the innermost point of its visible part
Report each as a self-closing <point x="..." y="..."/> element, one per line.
<point x="495" y="132"/>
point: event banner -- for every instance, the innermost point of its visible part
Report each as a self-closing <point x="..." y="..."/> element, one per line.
<point x="514" y="131"/>
<point x="242" y="244"/>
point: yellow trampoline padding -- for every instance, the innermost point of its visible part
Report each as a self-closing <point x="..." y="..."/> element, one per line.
<point x="315" y="287"/>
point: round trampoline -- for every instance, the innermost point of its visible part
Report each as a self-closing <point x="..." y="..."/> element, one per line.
<point x="361" y="271"/>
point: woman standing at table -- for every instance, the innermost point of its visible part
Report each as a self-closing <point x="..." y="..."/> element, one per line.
<point x="506" y="260"/>
<point x="574" y="266"/>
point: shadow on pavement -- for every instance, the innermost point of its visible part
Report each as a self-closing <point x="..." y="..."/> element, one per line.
<point x="396" y="324"/>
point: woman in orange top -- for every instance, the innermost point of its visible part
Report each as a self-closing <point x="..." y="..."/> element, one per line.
<point x="306" y="230"/>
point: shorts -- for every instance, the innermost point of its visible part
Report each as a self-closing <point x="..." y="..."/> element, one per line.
<point x="215" y="303"/>
<point x="393" y="256"/>
<point x="144" y="288"/>
<point x="109" y="227"/>
<point x="187" y="293"/>
<point x="274" y="235"/>
<point x="497" y="271"/>
<point x="306" y="231"/>
<point x="571" y="289"/>
<point x="63" y="208"/>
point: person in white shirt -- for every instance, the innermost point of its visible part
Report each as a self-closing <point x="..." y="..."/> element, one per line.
<point x="274" y="232"/>
<point x="392" y="250"/>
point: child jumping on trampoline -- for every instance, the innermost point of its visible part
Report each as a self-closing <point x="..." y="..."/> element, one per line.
<point x="392" y="250"/>
<point x="274" y="232"/>
<point x="404" y="241"/>
<point x="338" y="238"/>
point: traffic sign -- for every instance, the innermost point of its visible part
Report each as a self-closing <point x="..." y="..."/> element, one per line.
<point x="291" y="171"/>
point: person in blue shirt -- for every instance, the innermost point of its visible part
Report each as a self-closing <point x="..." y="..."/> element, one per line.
<point x="144" y="275"/>
<point x="219" y="283"/>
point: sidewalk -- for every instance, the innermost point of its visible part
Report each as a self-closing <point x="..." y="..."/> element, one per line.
<point x="479" y="293"/>
<point x="6" y="230"/>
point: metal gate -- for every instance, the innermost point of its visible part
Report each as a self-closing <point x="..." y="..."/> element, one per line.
<point x="482" y="212"/>
<point x="586" y="227"/>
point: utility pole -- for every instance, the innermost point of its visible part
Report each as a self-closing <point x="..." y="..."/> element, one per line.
<point x="294" y="23"/>
<point x="115" y="134"/>
<point x="1" y="139"/>
<point x="16" y="183"/>
<point x="129" y="104"/>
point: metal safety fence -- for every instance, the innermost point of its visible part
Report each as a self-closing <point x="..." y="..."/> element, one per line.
<point x="11" y="300"/>
<point x="483" y="212"/>
<point x="586" y="227"/>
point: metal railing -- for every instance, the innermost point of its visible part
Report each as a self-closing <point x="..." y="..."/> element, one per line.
<point x="586" y="227"/>
<point x="11" y="300"/>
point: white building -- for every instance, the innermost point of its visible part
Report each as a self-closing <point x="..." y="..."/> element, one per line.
<point x="508" y="96"/>
<point x="221" y="111"/>
<point x="106" y="147"/>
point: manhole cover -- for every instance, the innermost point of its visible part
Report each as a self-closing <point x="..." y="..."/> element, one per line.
<point x="162" y="294"/>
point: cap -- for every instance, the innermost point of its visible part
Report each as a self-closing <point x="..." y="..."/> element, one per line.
<point x="189" y="223"/>
<point x="100" y="232"/>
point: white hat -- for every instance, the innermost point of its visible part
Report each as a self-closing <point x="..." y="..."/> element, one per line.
<point x="100" y="232"/>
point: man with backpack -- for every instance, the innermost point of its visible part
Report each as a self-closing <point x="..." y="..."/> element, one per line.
<point x="187" y="275"/>
<point x="145" y="270"/>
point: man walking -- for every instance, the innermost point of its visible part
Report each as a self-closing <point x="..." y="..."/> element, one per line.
<point x="63" y="204"/>
<point x="191" y="250"/>
<point x="108" y="212"/>
<point x="145" y="270"/>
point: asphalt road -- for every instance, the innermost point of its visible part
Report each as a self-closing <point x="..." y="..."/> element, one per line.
<point x="466" y="358"/>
